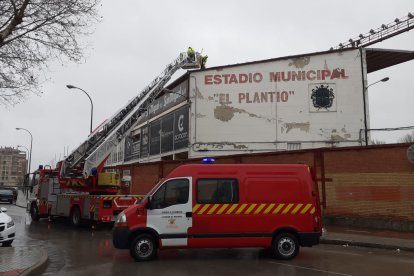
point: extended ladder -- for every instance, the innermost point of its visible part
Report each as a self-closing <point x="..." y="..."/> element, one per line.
<point x="398" y="26"/>
<point x="93" y="152"/>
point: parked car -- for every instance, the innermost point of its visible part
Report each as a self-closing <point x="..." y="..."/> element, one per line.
<point x="6" y="195"/>
<point x="15" y="192"/>
<point x="7" y="228"/>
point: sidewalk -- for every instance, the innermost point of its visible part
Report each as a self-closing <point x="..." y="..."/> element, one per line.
<point x="21" y="199"/>
<point x="22" y="260"/>
<point x="384" y="239"/>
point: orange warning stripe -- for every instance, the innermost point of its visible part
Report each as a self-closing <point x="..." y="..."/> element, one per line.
<point x="254" y="209"/>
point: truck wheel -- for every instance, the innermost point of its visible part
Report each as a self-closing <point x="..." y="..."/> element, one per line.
<point x="143" y="248"/>
<point x="285" y="246"/>
<point x="75" y="216"/>
<point x="34" y="212"/>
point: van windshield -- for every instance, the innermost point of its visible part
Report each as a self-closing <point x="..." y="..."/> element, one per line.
<point x="152" y="191"/>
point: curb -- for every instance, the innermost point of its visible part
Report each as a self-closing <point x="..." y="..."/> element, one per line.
<point x="37" y="268"/>
<point x="21" y="206"/>
<point x="365" y="244"/>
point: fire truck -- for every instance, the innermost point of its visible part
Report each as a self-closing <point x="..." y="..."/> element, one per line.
<point x="79" y="188"/>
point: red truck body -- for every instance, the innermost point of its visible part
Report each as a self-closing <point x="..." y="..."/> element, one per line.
<point x="52" y="199"/>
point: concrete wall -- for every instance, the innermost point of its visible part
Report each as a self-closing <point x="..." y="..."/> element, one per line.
<point x="365" y="186"/>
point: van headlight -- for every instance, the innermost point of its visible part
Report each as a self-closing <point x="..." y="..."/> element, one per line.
<point x="121" y="218"/>
<point x="10" y="224"/>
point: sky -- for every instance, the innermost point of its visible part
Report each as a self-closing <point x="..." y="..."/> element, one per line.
<point x="136" y="39"/>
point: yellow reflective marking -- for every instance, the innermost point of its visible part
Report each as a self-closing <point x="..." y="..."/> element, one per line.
<point x="280" y="206"/>
<point x="241" y="209"/>
<point x="269" y="208"/>
<point x="312" y="211"/>
<point x="306" y="208"/>
<point x="222" y="209"/>
<point x="251" y="207"/>
<point x="297" y="208"/>
<point x="195" y="208"/>
<point x="234" y="206"/>
<point x="212" y="209"/>
<point x="287" y="208"/>
<point x="203" y="209"/>
<point x="259" y="209"/>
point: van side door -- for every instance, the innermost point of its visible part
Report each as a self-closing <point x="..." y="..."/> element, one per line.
<point x="170" y="212"/>
<point x="215" y="221"/>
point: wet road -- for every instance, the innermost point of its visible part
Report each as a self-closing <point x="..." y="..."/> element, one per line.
<point x="82" y="251"/>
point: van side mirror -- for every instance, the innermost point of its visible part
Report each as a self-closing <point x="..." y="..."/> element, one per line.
<point x="148" y="204"/>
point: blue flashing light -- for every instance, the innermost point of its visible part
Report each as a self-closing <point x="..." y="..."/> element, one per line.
<point x="94" y="171"/>
<point x="208" y="160"/>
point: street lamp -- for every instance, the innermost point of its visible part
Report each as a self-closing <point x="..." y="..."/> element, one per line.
<point x="381" y="80"/>
<point x="31" y="144"/>
<point x="365" y="107"/>
<point x="74" y="87"/>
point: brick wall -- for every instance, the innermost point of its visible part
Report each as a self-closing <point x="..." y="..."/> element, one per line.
<point x="374" y="183"/>
<point x="381" y="195"/>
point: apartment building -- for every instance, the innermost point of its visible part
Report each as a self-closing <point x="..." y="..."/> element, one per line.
<point x="13" y="166"/>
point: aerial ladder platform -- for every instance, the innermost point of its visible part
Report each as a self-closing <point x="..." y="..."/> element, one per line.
<point x="81" y="167"/>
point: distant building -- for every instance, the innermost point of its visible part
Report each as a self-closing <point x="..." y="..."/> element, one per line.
<point x="12" y="167"/>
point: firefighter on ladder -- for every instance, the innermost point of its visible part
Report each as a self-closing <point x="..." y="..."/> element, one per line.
<point x="191" y="54"/>
<point x="203" y="61"/>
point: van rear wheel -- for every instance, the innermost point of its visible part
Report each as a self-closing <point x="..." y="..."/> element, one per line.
<point x="285" y="246"/>
<point x="143" y="248"/>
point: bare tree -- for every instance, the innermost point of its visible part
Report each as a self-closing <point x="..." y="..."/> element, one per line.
<point x="377" y="142"/>
<point x="35" y="32"/>
<point x="408" y="138"/>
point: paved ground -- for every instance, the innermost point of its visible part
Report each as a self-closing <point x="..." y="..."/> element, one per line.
<point x="21" y="260"/>
<point x="30" y="260"/>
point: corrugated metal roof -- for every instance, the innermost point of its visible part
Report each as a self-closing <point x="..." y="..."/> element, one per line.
<point x="378" y="59"/>
<point x="272" y="59"/>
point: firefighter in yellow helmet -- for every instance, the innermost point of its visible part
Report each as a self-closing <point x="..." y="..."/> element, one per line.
<point x="203" y="61"/>
<point x="191" y="54"/>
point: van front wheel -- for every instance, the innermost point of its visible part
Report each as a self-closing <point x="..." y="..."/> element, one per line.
<point x="285" y="246"/>
<point x="143" y="248"/>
